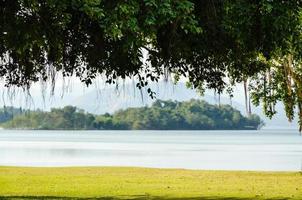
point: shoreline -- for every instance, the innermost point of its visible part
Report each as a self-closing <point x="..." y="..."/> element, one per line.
<point x="149" y="168"/>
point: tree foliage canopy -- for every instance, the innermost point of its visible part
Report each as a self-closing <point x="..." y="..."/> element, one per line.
<point x="214" y="43"/>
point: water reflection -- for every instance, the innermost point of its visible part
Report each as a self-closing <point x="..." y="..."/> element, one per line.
<point x="225" y="150"/>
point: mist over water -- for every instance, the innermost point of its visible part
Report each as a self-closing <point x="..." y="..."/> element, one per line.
<point x="271" y="150"/>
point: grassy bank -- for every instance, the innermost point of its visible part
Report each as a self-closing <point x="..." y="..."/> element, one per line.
<point x="141" y="183"/>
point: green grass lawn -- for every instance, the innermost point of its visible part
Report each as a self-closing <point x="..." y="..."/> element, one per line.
<point x="143" y="183"/>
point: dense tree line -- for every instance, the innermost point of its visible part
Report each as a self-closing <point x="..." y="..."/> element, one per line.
<point x="68" y="117"/>
<point x="162" y="115"/>
<point x="8" y="112"/>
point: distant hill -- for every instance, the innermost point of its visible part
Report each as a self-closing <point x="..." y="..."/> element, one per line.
<point x="111" y="99"/>
<point x="108" y="99"/>
<point x="161" y="115"/>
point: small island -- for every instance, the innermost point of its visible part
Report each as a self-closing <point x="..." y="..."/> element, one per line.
<point x="161" y="115"/>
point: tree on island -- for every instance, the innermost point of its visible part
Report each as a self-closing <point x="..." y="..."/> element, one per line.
<point x="214" y="44"/>
<point x="161" y="115"/>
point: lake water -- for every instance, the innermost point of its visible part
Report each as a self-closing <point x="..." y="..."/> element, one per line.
<point x="278" y="150"/>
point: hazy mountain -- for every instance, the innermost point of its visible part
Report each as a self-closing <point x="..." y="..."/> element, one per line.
<point x="109" y="99"/>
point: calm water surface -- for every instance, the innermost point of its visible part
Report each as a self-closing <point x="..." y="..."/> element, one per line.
<point x="276" y="150"/>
